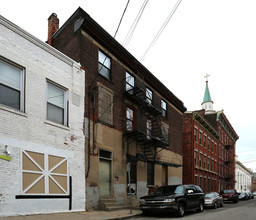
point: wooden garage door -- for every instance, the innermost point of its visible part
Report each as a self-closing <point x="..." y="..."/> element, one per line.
<point x="44" y="174"/>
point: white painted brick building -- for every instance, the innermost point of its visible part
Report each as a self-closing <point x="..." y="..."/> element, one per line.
<point x="41" y="126"/>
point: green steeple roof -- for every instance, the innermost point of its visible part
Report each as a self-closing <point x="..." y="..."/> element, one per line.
<point x="207" y="96"/>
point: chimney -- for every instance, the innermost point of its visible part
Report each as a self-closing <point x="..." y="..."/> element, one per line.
<point x="53" y="26"/>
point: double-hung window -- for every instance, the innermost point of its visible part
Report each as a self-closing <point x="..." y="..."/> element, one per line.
<point x="104" y="65"/>
<point x="56" y="104"/>
<point x="130" y="119"/>
<point x="163" y="108"/>
<point x="11" y="85"/>
<point x="129" y="82"/>
<point x="149" y="96"/>
<point x="149" y="128"/>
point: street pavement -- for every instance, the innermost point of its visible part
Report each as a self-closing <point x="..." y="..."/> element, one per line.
<point x="87" y="215"/>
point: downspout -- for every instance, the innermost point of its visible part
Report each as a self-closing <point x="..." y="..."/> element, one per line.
<point x="89" y="133"/>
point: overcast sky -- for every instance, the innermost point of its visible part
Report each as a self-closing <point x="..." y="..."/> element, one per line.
<point x="217" y="37"/>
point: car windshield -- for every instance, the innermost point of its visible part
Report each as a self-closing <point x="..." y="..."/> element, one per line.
<point x="209" y="195"/>
<point x="242" y="194"/>
<point x="167" y="190"/>
<point x="228" y="191"/>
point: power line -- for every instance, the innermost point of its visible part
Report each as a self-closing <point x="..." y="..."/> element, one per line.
<point x="161" y="29"/>
<point x="134" y="24"/>
<point x="121" y="18"/>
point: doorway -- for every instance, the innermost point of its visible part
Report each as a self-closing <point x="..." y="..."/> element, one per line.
<point x="105" y="173"/>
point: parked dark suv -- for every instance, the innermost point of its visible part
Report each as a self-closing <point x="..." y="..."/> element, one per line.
<point x="174" y="198"/>
<point x="230" y="195"/>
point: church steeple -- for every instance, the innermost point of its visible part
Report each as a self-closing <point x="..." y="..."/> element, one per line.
<point x="207" y="102"/>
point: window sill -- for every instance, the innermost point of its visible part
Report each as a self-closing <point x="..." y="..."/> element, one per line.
<point x="5" y="108"/>
<point x="56" y="125"/>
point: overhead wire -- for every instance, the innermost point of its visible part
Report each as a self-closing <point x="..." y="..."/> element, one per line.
<point x="108" y="53"/>
<point x="161" y="29"/>
<point x="134" y="24"/>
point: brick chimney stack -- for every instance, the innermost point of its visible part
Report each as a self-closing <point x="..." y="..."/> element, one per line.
<point x="53" y="26"/>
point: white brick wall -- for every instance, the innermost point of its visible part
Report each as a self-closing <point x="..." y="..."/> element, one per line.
<point x="31" y="131"/>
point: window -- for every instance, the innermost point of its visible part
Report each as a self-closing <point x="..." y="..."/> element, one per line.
<point x="195" y="180"/>
<point x="104" y="65"/>
<point x="200" y="160"/>
<point x="209" y="141"/>
<point x="149" y="128"/>
<point x="149" y="96"/>
<point x="105" y="104"/>
<point x="11" y="85"/>
<point x="195" y="134"/>
<point x="130" y="119"/>
<point x="150" y="174"/>
<point x="56" y="104"/>
<point x="163" y="108"/>
<point x="204" y="141"/>
<point x="200" y="138"/>
<point x="129" y="82"/>
<point x="204" y="161"/>
<point x="195" y="158"/>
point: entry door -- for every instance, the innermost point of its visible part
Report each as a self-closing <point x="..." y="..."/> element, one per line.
<point x="105" y="177"/>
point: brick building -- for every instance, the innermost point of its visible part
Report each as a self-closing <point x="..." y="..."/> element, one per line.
<point x="134" y="119"/>
<point x="41" y="133"/>
<point x="208" y="148"/>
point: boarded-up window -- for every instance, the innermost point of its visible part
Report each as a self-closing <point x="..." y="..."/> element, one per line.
<point x="165" y="133"/>
<point x="105" y="105"/>
<point x="44" y="174"/>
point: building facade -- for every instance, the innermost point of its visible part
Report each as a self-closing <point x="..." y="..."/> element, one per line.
<point x="208" y="148"/>
<point x="41" y="133"/>
<point x="135" y="122"/>
<point x="244" y="178"/>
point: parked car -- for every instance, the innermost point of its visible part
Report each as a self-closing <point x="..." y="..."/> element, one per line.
<point x="213" y="200"/>
<point x="250" y="195"/>
<point x="254" y="193"/>
<point x="243" y="196"/>
<point x="173" y="198"/>
<point x="230" y="195"/>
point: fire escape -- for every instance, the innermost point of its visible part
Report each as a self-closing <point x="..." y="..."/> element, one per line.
<point x="146" y="131"/>
<point x="228" y="162"/>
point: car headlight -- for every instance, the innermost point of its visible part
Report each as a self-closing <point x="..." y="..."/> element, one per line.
<point x="142" y="200"/>
<point x="169" y="200"/>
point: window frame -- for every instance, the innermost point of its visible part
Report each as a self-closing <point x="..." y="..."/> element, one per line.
<point x="127" y="83"/>
<point x="100" y="65"/>
<point x="164" y="110"/>
<point x="65" y="102"/>
<point x="21" y="90"/>
<point x="149" y="99"/>
<point x="133" y="119"/>
<point x="149" y="130"/>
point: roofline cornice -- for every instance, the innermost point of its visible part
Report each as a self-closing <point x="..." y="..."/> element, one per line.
<point x="205" y="124"/>
<point x="44" y="46"/>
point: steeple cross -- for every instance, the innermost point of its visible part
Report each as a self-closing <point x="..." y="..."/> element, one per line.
<point x="206" y="77"/>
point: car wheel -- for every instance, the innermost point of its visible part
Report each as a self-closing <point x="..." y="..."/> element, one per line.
<point x="181" y="210"/>
<point x="145" y="212"/>
<point x="215" y="205"/>
<point x="235" y="201"/>
<point x="201" y="207"/>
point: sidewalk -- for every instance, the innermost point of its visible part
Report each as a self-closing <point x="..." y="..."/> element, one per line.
<point x="88" y="215"/>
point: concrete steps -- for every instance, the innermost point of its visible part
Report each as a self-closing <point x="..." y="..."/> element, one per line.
<point x="109" y="203"/>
